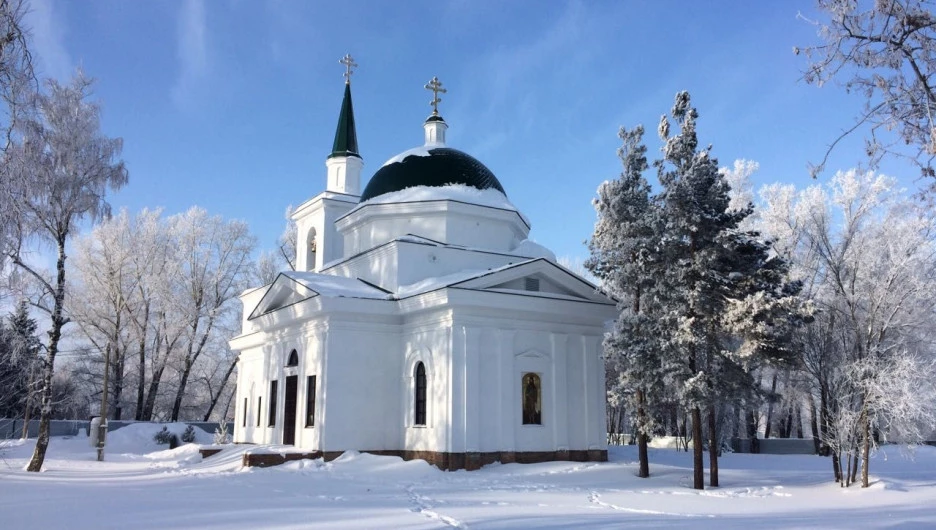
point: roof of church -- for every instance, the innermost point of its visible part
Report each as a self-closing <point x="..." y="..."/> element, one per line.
<point x="345" y="135"/>
<point x="430" y="166"/>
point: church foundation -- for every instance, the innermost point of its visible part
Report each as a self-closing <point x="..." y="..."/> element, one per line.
<point x="444" y="461"/>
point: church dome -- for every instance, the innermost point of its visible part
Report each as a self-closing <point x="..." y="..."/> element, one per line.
<point x="430" y="166"/>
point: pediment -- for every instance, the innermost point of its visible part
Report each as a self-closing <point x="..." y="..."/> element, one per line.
<point x="532" y="354"/>
<point x="293" y="287"/>
<point x="284" y="291"/>
<point x="538" y="278"/>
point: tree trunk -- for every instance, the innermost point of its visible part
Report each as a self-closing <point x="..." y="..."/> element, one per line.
<point x="141" y="385"/>
<point x="854" y="466"/>
<point x="866" y="447"/>
<point x="152" y="393"/>
<point x="29" y="392"/>
<point x="26" y="418"/>
<point x="798" y="420"/>
<point x="177" y="405"/>
<point x="698" y="466"/>
<point x="770" y="402"/>
<point x="825" y="419"/>
<point x="190" y="359"/>
<point x="752" y="423"/>
<point x="55" y="334"/>
<point x="214" y="400"/>
<point x="848" y="469"/>
<point x="713" y="447"/>
<point x="813" y="423"/>
<point x="104" y="393"/>
<point x="787" y="430"/>
<point x="837" y="467"/>
<point x="117" y="393"/>
<point x="642" y="455"/>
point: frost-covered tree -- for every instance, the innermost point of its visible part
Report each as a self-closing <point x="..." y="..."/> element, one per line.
<point x="884" y="51"/>
<point x="702" y="299"/>
<point x="17" y="86"/>
<point x="867" y="256"/>
<point x="100" y="301"/>
<point x="288" y="240"/>
<point x="19" y="357"/>
<point x="155" y="295"/>
<point x="17" y="79"/>
<point x="623" y="259"/>
<point x="64" y="166"/>
<point x="721" y="291"/>
<point x="214" y="262"/>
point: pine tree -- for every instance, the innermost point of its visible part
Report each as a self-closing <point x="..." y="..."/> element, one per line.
<point x="19" y="357"/>
<point x="62" y="166"/>
<point x="622" y="249"/>
<point x="722" y="294"/>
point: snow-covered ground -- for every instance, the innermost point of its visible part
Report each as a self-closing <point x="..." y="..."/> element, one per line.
<point x="142" y="485"/>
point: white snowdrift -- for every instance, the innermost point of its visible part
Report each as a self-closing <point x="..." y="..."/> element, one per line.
<point x="171" y="489"/>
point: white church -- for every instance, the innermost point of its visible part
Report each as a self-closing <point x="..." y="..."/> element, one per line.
<point x="421" y="322"/>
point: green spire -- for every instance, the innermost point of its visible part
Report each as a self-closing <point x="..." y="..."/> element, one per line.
<point x="346" y="135"/>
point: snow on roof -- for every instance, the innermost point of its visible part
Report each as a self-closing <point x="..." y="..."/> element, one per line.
<point x="531" y="249"/>
<point x="456" y="192"/>
<point x="336" y="286"/>
<point x="431" y="284"/>
<point x="422" y="150"/>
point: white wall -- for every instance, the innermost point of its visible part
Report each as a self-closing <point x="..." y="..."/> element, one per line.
<point x="403" y="263"/>
<point x="444" y="221"/>
<point x="362" y="390"/>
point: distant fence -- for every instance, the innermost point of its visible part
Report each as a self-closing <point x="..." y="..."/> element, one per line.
<point x="769" y="446"/>
<point x="13" y="428"/>
<point x="775" y="446"/>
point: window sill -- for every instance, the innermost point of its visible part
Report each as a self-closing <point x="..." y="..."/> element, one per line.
<point x="533" y="425"/>
<point x="418" y="426"/>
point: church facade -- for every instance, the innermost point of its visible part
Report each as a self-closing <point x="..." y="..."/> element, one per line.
<point x="421" y="322"/>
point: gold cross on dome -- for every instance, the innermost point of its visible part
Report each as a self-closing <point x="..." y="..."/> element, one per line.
<point x="436" y="87"/>
<point x="349" y="63"/>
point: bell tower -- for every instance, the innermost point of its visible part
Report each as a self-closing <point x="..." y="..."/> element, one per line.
<point x="318" y="242"/>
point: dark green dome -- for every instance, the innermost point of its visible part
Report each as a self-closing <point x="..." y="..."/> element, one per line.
<point x="441" y="167"/>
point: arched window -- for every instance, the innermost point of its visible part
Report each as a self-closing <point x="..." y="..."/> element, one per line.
<point x="419" y="403"/>
<point x="311" y="248"/>
<point x="532" y="399"/>
<point x="293" y="359"/>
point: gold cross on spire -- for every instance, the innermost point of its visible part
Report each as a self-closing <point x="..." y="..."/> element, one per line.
<point x="349" y="63"/>
<point x="436" y="87"/>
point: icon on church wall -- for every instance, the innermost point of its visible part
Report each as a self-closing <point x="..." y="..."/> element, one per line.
<point x="532" y="400"/>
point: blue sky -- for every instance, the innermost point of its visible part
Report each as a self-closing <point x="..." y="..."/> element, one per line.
<point x="232" y="105"/>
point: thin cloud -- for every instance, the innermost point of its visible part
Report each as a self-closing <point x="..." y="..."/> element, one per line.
<point x="48" y="39"/>
<point x="192" y="51"/>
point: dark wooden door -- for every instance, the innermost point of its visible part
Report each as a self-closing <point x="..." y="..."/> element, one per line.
<point x="289" y="410"/>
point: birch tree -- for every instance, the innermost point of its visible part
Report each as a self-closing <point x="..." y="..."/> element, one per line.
<point x="66" y="166"/>
<point x="17" y="87"/>
<point x="100" y="301"/>
<point x="214" y="260"/>
<point x="884" y="51"/>
<point x="867" y="257"/>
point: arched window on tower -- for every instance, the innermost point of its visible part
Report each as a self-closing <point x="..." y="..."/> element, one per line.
<point x="293" y="359"/>
<point x="311" y="248"/>
<point x="532" y="399"/>
<point x="419" y="402"/>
